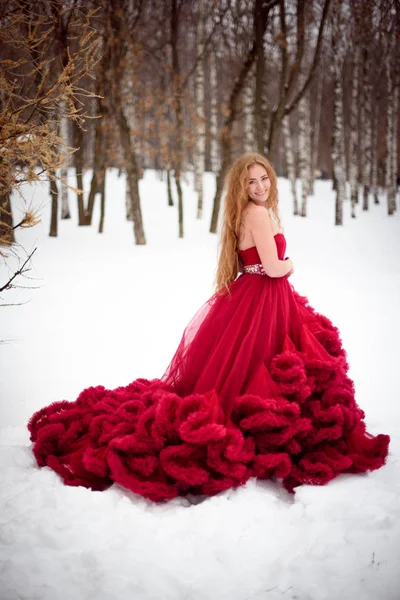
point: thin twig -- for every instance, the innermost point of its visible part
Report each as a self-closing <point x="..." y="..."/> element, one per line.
<point x="20" y="271"/>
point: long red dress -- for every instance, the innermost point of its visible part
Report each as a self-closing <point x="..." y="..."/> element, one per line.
<point x="257" y="388"/>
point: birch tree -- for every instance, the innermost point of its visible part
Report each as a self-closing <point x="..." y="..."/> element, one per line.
<point x="259" y="88"/>
<point x="304" y="151"/>
<point x="101" y="115"/>
<point x="214" y="151"/>
<point x="290" y="162"/>
<point x="366" y="120"/>
<point x="315" y="129"/>
<point x="122" y="33"/>
<point x="65" y="212"/>
<point x="248" y="113"/>
<point x="366" y="104"/>
<point x="374" y="149"/>
<point x="200" y="118"/>
<point x="338" y="156"/>
<point x="391" y="130"/>
<point x="165" y="126"/>
<point x="354" y="128"/>
<point x="178" y="92"/>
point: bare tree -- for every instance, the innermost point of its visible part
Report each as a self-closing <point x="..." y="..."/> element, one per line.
<point x="65" y="212"/>
<point x="316" y="111"/>
<point x="215" y="153"/>
<point x="374" y="147"/>
<point x="178" y="91"/>
<point x="290" y="161"/>
<point x="354" y="128"/>
<point x="392" y="77"/>
<point x="260" y="21"/>
<point x="289" y="79"/>
<point x="287" y="97"/>
<point x="339" y="48"/>
<point x="121" y="24"/>
<point x="200" y="118"/>
<point x="31" y="107"/>
<point x="366" y="104"/>
<point x="248" y="112"/>
<point x="304" y="151"/>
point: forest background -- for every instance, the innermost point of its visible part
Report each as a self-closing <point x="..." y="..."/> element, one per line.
<point x="185" y="86"/>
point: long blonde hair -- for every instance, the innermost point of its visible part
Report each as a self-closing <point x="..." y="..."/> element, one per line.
<point x="236" y="199"/>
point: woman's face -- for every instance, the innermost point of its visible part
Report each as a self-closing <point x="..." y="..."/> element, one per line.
<point x="259" y="184"/>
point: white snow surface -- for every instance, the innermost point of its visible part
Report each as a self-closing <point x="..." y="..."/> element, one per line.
<point x="106" y="311"/>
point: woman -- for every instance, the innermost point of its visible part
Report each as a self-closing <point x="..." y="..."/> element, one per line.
<point x="258" y="385"/>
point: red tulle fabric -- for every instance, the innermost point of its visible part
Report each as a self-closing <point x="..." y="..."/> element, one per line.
<point x="258" y="387"/>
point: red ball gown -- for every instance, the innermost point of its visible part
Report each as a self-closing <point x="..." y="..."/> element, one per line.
<point x="257" y="387"/>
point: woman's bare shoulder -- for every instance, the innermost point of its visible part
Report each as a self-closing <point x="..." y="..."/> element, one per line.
<point x="258" y="216"/>
<point x="256" y="212"/>
<point x="251" y="210"/>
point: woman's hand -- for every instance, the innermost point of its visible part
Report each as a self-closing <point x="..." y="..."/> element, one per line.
<point x="291" y="270"/>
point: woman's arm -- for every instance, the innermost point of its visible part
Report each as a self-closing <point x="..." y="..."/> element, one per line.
<point x="260" y="225"/>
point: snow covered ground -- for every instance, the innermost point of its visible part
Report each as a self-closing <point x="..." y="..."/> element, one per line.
<point x="106" y="312"/>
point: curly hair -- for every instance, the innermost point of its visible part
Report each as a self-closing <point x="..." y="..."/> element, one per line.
<point x="236" y="199"/>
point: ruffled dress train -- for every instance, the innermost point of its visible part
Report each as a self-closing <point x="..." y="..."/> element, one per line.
<point x="258" y="387"/>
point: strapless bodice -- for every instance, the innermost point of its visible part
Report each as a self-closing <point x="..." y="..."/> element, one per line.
<point x="250" y="256"/>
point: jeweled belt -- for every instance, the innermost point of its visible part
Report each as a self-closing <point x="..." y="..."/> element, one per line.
<point x="254" y="269"/>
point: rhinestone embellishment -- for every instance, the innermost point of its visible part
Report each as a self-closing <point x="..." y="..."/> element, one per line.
<point x="254" y="269"/>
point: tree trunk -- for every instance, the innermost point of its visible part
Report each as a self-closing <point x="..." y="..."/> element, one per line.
<point x="169" y="188"/>
<point x="248" y="113"/>
<point x="315" y="132"/>
<point x="95" y="182"/>
<point x="304" y="152"/>
<point x="7" y="237"/>
<point x="177" y="176"/>
<point x="275" y="132"/>
<point x="178" y="155"/>
<point x="391" y="139"/>
<point x="165" y="149"/>
<point x="338" y="158"/>
<point x="367" y="110"/>
<point x="339" y="167"/>
<point x="259" y="83"/>
<point x="180" y="204"/>
<point x="353" y="144"/>
<point x="54" y="205"/>
<point x="200" y="117"/>
<point x="290" y="162"/>
<point x="265" y="111"/>
<point x="102" y="112"/>
<point x="132" y="171"/>
<point x="118" y="48"/>
<point x="102" y="185"/>
<point x="65" y="213"/>
<point x="79" y="164"/>
<point x="374" y="149"/>
<point x="395" y="145"/>
<point x="128" y="202"/>
<point x="219" y="188"/>
<point x="214" y="153"/>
